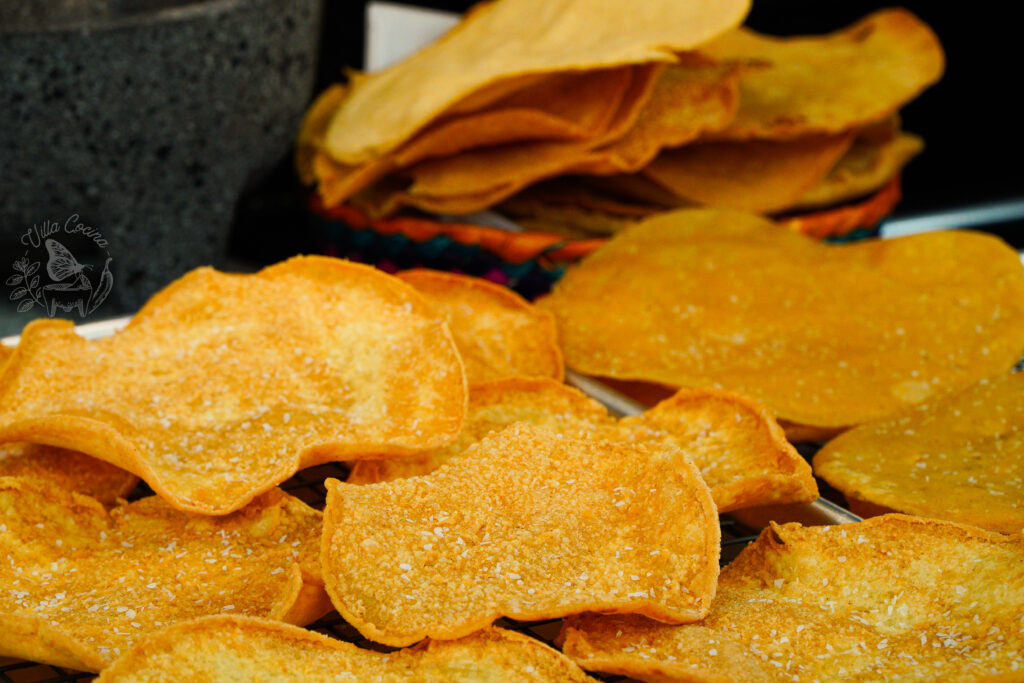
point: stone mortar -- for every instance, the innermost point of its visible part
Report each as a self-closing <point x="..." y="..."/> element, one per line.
<point x="148" y="120"/>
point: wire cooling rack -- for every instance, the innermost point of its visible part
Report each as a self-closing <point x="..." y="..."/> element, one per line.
<point x="308" y="486"/>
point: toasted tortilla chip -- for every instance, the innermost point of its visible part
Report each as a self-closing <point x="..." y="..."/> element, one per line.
<point x="829" y="84"/>
<point x="759" y="176"/>
<point x="497" y="172"/>
<point x="497" y="332"/>
<point x="564" y="219"/>
<point x="570" y="106"/>
<point x="891" y="598"/>
<point x="244" y="648"/>
<point x="572" y="192"/>
<point x="684" y="101"/>
<point x="689" y="99"/>
<point x="384" y="109"/>
<point x="866" y="166"/>
<point x="638" y="188"/>
<point x="67" y="470"/>
<point x="526" y="524"/>
<point x="224" y="385"/>
<point x="740" y="451"/>
<point x="314" y="126"/>
<point x="493" y="406"/>
<point x="959" y="457"/>
<point x="81" y="585"/>
<point x="824" y="335"/>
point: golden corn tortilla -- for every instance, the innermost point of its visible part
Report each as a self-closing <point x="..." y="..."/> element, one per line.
<point x="237" y="648"/>
<point x="510" y="39"/>
<point x="568" y="106"/>
<point x="67" y="470"/>
<point x="497" y="332"/>
<point x="694" y="97"/>
<point x="763" y="176"/>
<point x="824" y="335"/>
<point x="959" y="457"/>
<point x="526" y="524"/>
<point x="567" y="206"/>
<point x="499" y="171"/>
<point x="824" y="85"/>
<point x="866" y="166"/>
<point x="571" y="192"/>
<point x="572" y="106"/>
<point x="224" y="385"/>
<point x="891" y="598"/>
<point x="684" y="101"/>
<point x="740" y="451"/>
<point x="311" y="133"/>
<point x="638" y="189"/>
<point x="756" y="175"/>
<point x="81" y="584"/>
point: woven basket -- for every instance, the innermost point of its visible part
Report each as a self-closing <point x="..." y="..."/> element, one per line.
<point x="528" y="262"/>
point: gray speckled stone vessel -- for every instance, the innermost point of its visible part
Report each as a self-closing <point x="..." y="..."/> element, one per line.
<point x="147" y="119"/>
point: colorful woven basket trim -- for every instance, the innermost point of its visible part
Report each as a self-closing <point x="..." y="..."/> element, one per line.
<point x="528" y="262"/>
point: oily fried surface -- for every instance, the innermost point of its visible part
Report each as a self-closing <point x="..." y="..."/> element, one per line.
<point x="741" y="452"/>
<point x="832" y="83"/>
<point x="527" y="524"/>
<point x="569" y="106"/>
<point x="244" y="648"/>
<point x="825" y="336"/>
<point x="763" y="176"/>
<point x="494" y="406"/>
<point x="893" y="598"/>
<point x="664" y="107"/>
<point x="579" y="109"/>
<point x="81" y="585"/>
<point x="693" y="97"/>
<point x="384" y="109"/>
<point x="865" y="167"/>
<point x="566" y="206"/>
<point x="497" y="332"/>
<point x="477" y="178"/>
<point x="67" y="470"/>
<point x="959" y="457"/>
<point x="224" y="385"/>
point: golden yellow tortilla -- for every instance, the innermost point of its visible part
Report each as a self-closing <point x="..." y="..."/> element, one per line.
<point x="497" y="332"/>
<point x="866" y="166"/>
<point x="227" y="648"/>
<point x="510" y="39"/>
<point x="814" y="85"/>
<point x="824" y="335"/>
<point x="67" y="470"/>
<point x="763" y="176"/>
<point x="894" y="598"/>
<point x="82" y="584"/>
<point x="742" y="454"/>
<point x="959" y="457"/>
<point x="527" y="524"/>
<point x="224" y="385"/>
